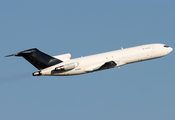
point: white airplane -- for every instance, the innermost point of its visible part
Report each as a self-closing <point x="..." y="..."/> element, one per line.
<point x="62" y="65"/>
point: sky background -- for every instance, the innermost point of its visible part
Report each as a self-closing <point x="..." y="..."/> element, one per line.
<point x="138" y="91"/>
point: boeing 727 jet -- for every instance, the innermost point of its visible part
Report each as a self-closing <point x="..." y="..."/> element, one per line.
<point x="62" y="65"/>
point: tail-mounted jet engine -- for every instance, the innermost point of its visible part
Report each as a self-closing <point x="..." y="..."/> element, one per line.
<point x="66" y="67"/>
<point x="61" y="68"/>
<point x="38" y="73"/>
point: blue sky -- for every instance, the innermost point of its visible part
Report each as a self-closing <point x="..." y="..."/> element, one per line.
<point x="139" y="91"/>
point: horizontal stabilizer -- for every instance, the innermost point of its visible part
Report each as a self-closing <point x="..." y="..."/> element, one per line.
<point x="10" y="55"/>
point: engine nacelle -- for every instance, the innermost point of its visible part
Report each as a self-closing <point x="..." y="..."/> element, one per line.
<point x="66" y="67"/>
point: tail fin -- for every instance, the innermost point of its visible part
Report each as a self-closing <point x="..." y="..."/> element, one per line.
<point x="37" y="58"/>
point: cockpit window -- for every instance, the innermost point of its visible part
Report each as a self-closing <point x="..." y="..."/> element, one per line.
<point x="166" y="46"/>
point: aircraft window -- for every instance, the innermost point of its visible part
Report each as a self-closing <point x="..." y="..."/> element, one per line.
<point x="166" y="46"/>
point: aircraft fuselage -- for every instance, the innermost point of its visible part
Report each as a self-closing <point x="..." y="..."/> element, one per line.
<point x="106" y="60"/>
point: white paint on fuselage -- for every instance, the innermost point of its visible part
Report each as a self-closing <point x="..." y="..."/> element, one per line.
<point x="120" y="57"/>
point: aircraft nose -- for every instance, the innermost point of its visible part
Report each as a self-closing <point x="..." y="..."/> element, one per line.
<point x="171" y="49"/>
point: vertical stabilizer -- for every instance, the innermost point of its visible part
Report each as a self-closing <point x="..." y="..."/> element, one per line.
<point x="37" y="58"/>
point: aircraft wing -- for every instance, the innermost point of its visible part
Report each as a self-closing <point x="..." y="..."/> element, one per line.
<point x="106" y="65"/>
